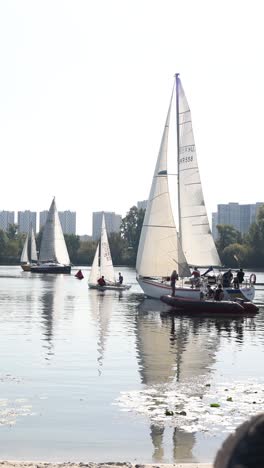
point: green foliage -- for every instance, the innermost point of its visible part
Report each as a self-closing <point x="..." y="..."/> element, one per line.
<point x="73" y="245"/>
<point x="12" y="231"/>
<point x="130" y="230"/>
<point x="85" y="253"/>
<point x="227" y="235"/>
<point x="3" y="242"/>
<point x="118" y="248"/>
<point x="236" y="255"/>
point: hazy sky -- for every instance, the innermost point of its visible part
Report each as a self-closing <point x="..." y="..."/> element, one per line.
<point x="84" y="92"/>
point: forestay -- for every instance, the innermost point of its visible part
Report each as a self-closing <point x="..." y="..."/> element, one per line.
<point x="53" y="247"/>
<point x="159" y="250"/>
<point x="195" y="233"/>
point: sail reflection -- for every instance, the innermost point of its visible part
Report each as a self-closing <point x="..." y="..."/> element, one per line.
<point x="52" y="307"/>
<point x="171" y="349"/>
<point x="101" y="310"/>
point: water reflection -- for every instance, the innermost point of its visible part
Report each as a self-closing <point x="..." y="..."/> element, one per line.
<point x="172" y="349"/>
<point x="101" y="306"/>
<point x="53" y="304"/>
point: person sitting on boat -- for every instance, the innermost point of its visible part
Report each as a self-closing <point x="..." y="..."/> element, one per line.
<point x="101" y="281"/>
<point x="219" y="293"/>
<point x="173" y="279"/>
<point x="195" y="277"/>
<point x="227" y="278"/>
<point x="210" y="292"/>
<point x="240" y="275"/>
<point x="120" y="278"/>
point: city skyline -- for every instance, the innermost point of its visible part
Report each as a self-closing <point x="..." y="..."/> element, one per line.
<point x="83" y="107"/>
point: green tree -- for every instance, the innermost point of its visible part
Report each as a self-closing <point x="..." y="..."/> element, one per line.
<point x="117" y="247"/>
<point x="236" y="255"/>
<point x="227" y="235"/>
<point x="73" y="245"/>
<point x="255" y="239"/>
<point x="3" y="243"/>
<point x="12" y="231"/>
<point x="130" y="230"/>
<point x="86" y="253"/>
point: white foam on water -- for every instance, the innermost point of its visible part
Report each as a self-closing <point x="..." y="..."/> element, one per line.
<point x="194" y="397"/>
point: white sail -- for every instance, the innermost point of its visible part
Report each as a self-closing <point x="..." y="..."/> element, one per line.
<point x="95" y="272"/>
<point x="33" y="249"/>
<point x="159" y="251"/>
<point x="24" y="254"/>
<point x="195" y="233"/>
<point x="53" y="247"/>
<point x="106" y="264"/>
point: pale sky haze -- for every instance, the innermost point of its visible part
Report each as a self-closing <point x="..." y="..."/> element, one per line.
<point x="85" y="88"/>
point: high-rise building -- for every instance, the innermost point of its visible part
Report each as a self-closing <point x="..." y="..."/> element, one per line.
<point x="112" y="223"/>
<point x="236" y="215"/>
<point x="6" y="218"/>
<point x="142" y="205"/>
<point x="68" y="221"/>
<point x="26" y="220"/>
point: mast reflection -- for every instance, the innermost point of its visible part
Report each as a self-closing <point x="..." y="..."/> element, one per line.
<point x="101" y="309"/>
<point x="171" y="349"/>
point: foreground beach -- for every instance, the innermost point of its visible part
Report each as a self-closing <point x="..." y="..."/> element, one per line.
<point x="35" y="464"/>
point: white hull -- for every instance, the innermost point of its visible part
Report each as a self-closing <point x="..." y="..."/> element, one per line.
<point x="245" y="292"/>
<point x="112" y="287"/>
<point x="156" y="289"/>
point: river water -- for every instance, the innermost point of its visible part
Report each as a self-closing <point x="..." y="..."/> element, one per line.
<point x="89" y="376"/>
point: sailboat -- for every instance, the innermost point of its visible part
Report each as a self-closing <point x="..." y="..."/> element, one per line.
<point x="163" y="248"/>
<point x="28" y="259"/>
<point x="103" y="265"/>
<point x="53" y="254"/>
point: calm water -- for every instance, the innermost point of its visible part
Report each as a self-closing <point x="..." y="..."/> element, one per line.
<point x="88" y="376"/>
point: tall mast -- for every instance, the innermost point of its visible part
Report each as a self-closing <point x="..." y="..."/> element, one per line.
<point x="178" y="151"/>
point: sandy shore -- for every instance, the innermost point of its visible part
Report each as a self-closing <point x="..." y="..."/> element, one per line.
<point x="10" y="464"/>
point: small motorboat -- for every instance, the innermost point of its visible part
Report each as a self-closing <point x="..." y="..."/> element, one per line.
<point x="209" y="306"/>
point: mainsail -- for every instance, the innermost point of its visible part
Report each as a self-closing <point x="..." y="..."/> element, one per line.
<point x="95" y="271"/>
<point x="106" y="264"/>
<point x="159" y="251"/>
<point x="195" y="233"/>
<point x="33" y="248"/>
<point x="24" y="255"/>
<point x="53" y="247"/>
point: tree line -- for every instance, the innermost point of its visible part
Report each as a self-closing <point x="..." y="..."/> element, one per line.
<point x="123" y="245"/>
<point x="235" y="249"/>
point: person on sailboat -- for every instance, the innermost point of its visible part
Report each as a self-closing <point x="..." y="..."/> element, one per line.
<point x="227" y="278"/>
<point x="173" y="278"/>
<point x="195" y="277"/>
<point x="219" y="293"/>
<point x="101" y="281"/>
<point x="120" y="278"/>
<point x="240" y="275"/>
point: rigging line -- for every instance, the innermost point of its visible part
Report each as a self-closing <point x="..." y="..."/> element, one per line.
<point x="159" y="226"/>
<point x="193" y="216"/>
<point x="188" y="168"/>
<point x="184" y="112"/>
<point x="158" y="196"/>
<point x="185" y="122"/>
